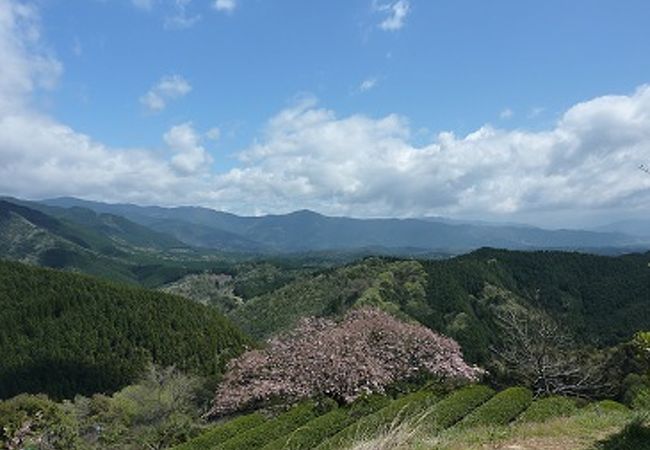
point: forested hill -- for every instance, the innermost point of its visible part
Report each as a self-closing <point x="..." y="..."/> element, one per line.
<point x="600" y="300"/>
<point x="64" y="334"/>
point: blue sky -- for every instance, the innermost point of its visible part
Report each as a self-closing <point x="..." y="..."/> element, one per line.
<point x="453" y="65"/>
<point x="217" y="91"/>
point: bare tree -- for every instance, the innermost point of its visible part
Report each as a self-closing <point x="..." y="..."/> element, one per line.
<point x="538" y="352"/>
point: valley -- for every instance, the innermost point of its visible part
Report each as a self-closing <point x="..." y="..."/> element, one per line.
<point x="183" y="315"/>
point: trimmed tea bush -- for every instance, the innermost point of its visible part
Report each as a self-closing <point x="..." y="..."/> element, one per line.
<point x="222" y="432"/>
<point x="321" y="428"/>
<point x="311" y="433"/>
<point x="606" y="406"/>
<point x="396" y="412"/>
<point x="457" y="405"/>
<point x="270" y="430"/>
<point x="548" y="408"/>
<point x="500" y="409"/>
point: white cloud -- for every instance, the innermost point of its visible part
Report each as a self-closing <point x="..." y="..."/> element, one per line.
<point x="308" y="156"/>
<point x="146" y="5"/>
<point x="190" y="157"/>
<point x="367" y="84"/>
<point x="169" y="88"/>
<point x="364" y="166"/>
<point x="506" y="113"/>
<point x="181" y="18"/>
<point x="227" y="6"/>
<point x="26" y="63"/>
<point x="395" y="13"/>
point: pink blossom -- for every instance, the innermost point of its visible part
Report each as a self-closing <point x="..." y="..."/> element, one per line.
<point x="363" y="353"/>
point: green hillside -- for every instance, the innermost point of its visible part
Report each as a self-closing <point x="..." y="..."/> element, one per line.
<point x="64" y="334"/>
<point x="79" y="240"/>
<point x="601" y="300"/>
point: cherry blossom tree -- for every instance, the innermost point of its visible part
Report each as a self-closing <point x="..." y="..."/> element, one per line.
<point x="363" y="353"/>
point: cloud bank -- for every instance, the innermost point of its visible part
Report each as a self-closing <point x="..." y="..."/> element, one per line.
<point x="310" y="157"/>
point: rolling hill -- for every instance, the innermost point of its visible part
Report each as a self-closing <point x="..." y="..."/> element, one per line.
<point x="600" y="299"/>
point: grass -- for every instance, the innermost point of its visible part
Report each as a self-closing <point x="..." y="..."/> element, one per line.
<point x="635" y="436"/>
<point x="586" y="430"/>
<point x="389" y="417"/>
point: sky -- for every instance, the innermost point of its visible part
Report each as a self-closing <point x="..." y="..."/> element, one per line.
<point x="535" y="112"/>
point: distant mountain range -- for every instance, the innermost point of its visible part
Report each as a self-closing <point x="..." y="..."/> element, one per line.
<point x="636" y="227"/>
<point x="304" y="231"/>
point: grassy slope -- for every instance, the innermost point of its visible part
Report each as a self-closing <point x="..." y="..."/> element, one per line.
<point x="590" y="428"/>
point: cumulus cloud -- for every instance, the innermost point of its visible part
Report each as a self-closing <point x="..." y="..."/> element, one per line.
<point x="395" y="14"/>
<point x="506" y="113"/>
<point x="227" y="6"/>
<point x="367" y="84"/>
<point x="190" y="158"/>
<point x="308" y="156"/>
<point x="169" y="88"/>
<point x="365" y="166"/>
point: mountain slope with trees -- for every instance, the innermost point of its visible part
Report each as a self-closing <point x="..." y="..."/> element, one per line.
<point x="110" y="246"/>
<point x="64" y="334"/>
<point x="599" y="299"/>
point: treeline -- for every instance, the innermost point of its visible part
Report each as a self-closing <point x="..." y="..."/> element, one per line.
<point x="65" y="334"/>
<point x="600" y="300"/>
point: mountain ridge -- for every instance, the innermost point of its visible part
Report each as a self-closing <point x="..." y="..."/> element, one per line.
<point x="306" y="230"/>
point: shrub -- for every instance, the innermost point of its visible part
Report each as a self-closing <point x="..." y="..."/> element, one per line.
<point x="35" y="421"/>
<point x="364" y="353"/>
<point x="160" y="411"/>
<point x="500" y="409"/>
<point x="283" y="424"/>
<point x="637" y="392"/>
<point x="641" y="399"/>
<point x="397" y="411"/>
<point x="635" y="436"/>
<point x="321" y="428"/>
<point x="548" y="408"/>
<point x="457" y="405"/>
<point x="219" y="434"/>
<point x="605" y="406"/>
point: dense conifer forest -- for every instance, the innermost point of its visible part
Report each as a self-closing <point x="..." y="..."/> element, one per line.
<point x="65" y="334"/>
